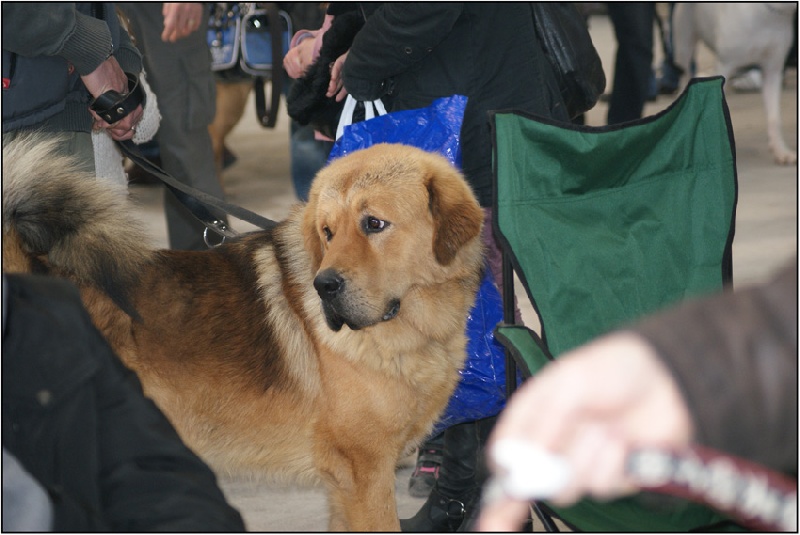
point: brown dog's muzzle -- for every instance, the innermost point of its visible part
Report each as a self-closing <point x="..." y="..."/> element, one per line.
<point x="343" y="306"/>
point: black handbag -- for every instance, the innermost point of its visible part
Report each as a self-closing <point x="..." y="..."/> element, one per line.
<point x="566" y="42"/>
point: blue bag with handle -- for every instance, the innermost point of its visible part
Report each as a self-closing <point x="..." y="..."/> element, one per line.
<point x="437" y="128"/>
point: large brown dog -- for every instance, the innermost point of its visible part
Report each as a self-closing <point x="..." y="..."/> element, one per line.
<point x="320" y="350"/>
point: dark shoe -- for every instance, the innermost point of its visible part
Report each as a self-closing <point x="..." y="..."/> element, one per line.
<point x="438" y="514"/>
<point x="667" y="83"/>
<point x="471" y="514"/>
<point x="456" y="486"/>
<point x="228" y="157"/>
<point x="652" y="90"/>
<point x="483" y="429"/>
<point x="429" y="461"/>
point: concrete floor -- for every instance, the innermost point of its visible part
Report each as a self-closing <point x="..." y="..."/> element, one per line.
<point x="766" y="236"/>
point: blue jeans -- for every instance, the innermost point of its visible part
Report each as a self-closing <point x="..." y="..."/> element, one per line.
<point x="308" y="155"/>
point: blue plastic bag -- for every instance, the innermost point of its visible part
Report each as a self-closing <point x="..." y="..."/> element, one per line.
<point x="437" y="128"/>
<point x="481" y="392"/>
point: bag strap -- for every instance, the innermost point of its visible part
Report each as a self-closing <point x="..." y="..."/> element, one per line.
<point x="204" y="207"/>
<point x="372" y="109"/>
<point x="267" y="117"/>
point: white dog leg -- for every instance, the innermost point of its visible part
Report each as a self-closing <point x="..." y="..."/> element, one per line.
<point x="771" y="93"/>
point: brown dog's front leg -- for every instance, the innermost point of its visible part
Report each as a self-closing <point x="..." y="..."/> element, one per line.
<point x="371" y="506"/>
<point x="336" y="521"/>
<point x="361" y="495"/>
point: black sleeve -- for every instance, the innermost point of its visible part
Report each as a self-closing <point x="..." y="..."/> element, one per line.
<point x="152" y="481"/>
<point x="120" y="446"/>
<point x="395" y="37"/>
<point x="127" y="55"/>
<point x="734" y="356"/>
<point x="339" y="8"/>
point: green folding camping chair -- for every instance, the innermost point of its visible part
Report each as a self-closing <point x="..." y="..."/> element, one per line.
<point x="603" y="225"/>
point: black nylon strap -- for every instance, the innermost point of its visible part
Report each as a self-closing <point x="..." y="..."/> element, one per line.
<point x="206" y="208"/>
<point x="268" y="117"/>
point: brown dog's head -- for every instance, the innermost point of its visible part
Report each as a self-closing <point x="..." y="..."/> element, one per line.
<point x="382" y="222"/>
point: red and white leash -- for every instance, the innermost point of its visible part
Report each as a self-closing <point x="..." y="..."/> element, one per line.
<point x="751" y="494"/>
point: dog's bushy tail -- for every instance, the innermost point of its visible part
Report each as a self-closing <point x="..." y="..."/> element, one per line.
<point x="69" y="220"/>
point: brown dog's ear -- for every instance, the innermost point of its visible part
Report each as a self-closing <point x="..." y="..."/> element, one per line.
<point x="310" y="234"/>
<point x="457" y="216"/>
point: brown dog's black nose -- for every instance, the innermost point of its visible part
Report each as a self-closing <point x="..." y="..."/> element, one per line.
<point x="328" y="284"/>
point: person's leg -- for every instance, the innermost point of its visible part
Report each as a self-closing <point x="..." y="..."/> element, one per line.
<point x="670" y="74"/>
<point x="633" y="27"/>
<point x="180" y="74"/>
<point x="231" y="101"/>
<point x="80" y="144"/>
<point x="456" y="487"/>
<point x="77" y="144"/>
<point x="426" y="471"/>
<point x="308" y="155"/>
<point x="456" y="494"/>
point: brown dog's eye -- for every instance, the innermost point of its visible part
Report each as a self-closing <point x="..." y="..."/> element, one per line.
<point x="328" y="233"/>
<point x="373" y="224"/>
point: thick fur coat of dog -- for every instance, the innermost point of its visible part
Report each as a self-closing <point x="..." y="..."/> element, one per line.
<point x="319" y="351"/>
<point x="741" y="34"/>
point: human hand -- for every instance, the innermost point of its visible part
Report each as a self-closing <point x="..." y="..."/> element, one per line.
<point x="109" y="76"/>
<point x="181" y="19"/>
<point x="336" y="85"/>
<point x="299" y="58"/>
<point x="592" y="407"/>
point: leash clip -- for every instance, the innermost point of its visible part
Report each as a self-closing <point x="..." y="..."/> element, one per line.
<point x="221" y="228"/>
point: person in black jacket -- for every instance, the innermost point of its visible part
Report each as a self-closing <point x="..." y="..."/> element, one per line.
<point x="77" y="420"/>
<point x="489" y="52"/>
<point x="411" y="54"/>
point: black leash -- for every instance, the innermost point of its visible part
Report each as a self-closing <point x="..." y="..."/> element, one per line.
<point x="113" y="106"/>
<point x="204" y="207"/>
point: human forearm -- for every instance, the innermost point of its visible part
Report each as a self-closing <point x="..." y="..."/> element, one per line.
<point x="34" y="29"/>
<point x="734" y="358"/>
<point x="56" y="29"/>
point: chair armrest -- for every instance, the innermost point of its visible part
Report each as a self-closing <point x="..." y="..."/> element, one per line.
<point x="524" y="346"/>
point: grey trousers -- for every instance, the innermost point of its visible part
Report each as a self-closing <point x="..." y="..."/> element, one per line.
<point x="180" y="75"/>
<point x="76" y="144"/>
